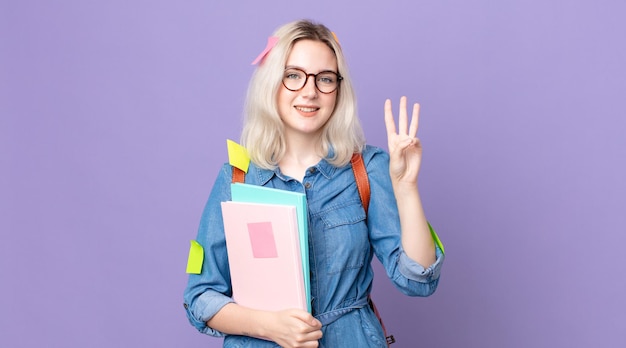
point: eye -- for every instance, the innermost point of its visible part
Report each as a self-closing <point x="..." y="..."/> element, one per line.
<point x="293" y="75"/>
<point x="326" y="78"/>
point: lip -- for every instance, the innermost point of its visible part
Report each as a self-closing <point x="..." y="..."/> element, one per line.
<point x="306" y="110"/>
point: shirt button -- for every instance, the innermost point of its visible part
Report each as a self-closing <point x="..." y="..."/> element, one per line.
<point x="307" y="185"/>
<point x="312" y="170"/>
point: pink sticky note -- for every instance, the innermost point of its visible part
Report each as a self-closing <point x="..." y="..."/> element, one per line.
<point x="262" y="240"/>
<point x="271" y="42"/>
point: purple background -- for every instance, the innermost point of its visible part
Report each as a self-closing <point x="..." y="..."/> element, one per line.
<point x="114" y="116"/>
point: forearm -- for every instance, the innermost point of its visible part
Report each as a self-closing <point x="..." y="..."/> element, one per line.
<point x="234" y="319"/>
<point x="288" y="328"/>
<point x="417" y="241"/>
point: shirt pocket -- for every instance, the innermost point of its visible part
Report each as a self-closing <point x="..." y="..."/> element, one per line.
<point x="345" y="236"/>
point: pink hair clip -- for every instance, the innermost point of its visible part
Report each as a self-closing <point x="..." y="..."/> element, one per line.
<point x="271" y="42"/>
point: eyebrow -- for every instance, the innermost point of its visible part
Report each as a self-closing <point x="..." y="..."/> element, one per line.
<point x="303" y="69"/>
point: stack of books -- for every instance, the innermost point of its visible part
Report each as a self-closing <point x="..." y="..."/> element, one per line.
<point x="266" y="233"/>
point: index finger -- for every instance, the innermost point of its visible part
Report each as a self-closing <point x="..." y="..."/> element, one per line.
<point x="390" y="124"/>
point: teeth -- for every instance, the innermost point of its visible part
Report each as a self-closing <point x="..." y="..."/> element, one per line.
<point x="306" y="109"/>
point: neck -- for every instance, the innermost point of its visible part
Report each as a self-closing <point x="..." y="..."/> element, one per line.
<point x="301" y="154"/>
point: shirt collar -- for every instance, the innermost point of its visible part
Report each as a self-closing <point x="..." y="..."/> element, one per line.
<point x="265" y="175"/>
<point x="325" y="168"/>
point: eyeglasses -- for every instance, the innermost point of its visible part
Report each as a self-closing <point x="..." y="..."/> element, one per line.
<point x="326" y="82"/>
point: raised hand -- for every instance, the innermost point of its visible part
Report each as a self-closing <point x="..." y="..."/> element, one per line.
<point x="405" y="149"/>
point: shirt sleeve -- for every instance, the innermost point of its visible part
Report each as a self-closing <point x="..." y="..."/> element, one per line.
<point x="206" y="293"/>
<point x="408" y="276"/>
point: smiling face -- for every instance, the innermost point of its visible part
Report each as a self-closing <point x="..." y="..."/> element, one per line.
<point x="307" y="110"/>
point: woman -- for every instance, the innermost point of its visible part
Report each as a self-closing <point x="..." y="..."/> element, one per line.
<point x="301" y="131"/>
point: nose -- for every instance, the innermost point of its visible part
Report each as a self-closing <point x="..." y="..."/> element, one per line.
<point x="309" y="89"/>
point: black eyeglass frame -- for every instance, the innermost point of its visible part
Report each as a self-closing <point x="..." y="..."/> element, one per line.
<point x="306" y="80"/>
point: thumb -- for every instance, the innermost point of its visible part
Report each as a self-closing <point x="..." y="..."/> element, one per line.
<point x="307" y="318"/>
<point x="316" y="323"/>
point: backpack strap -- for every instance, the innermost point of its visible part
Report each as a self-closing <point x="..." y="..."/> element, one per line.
<point x="363" y="185"/>
<point x="238" y="175"/>
<point x="389" y="338"/>
<point x="362" y="182"/>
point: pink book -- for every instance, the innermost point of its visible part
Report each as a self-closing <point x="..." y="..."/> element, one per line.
<point x="264" y="255"/>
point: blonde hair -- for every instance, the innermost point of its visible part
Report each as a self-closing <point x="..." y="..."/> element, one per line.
<point x="262" y="133"/>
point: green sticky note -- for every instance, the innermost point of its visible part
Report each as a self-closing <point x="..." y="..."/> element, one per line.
<point x="196" y="257"/>
<point x="436" y="238"/>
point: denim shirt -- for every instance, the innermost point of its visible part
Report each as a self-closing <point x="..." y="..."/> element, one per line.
<point x="342" y="242"/>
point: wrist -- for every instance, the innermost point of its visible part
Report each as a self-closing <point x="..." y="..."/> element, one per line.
<point x="263" y="320"/>
<point x="401" y="188"/>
